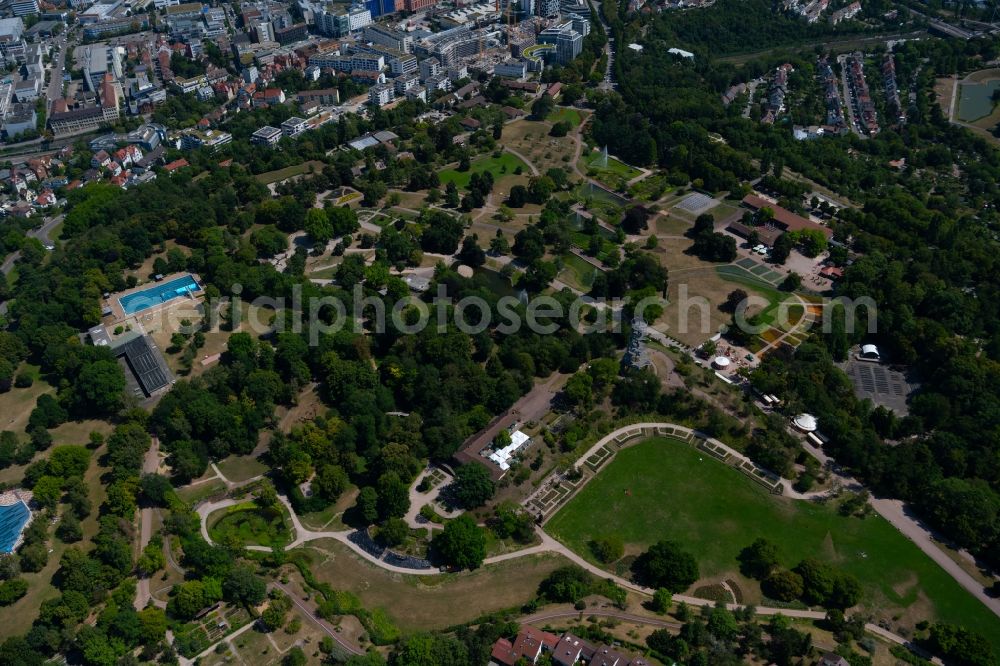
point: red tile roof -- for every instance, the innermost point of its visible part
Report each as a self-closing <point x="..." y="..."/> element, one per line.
<point x="175" y="165"/>
<point x="784" y="217"/>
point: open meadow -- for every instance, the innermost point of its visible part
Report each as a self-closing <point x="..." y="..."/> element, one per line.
<point x="665" y="489"/>
<point x="420" y="603"/>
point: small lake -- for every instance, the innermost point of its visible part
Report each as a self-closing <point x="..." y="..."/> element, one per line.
<point x="976" y="100"/>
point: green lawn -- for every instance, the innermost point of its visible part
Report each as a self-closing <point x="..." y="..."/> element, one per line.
<point x="578" y="272"/>
<point x="760" y="287"/>
<point x="594" y="158"/>
<point x="295" y="170"/>
<point x="240" y="468"/>
<point x="565" y="113"/>
<point x="252" y="525"/>
<point x="507" y="163"/>
<point x="665" y="489"/>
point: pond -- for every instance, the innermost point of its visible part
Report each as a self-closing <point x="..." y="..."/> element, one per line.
<point x="976" y="100"/>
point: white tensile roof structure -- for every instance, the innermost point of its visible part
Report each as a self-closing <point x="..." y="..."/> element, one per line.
<point x="721" y="362"/>
<point x="805" y="422"/>
<point x="502" y="456"/>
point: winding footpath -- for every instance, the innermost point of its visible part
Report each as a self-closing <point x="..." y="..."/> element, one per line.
<point x="891" y="510"/>
<point x="150" y="464"/>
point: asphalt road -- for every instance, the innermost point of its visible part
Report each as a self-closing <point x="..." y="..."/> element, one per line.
<point x="55" y="89"/>
<point x="41" y="233"/>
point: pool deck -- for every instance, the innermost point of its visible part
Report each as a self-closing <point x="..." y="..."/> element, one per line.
<point x="118" y="314"/>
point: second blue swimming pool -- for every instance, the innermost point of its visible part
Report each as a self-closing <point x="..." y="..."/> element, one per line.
<point x="157" y="294"/>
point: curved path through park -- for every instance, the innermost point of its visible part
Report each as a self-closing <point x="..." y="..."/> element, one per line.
<point x="548" y="544"/>
<point x="894" y="511"/>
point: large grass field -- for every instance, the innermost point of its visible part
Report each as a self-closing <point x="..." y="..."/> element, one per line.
<point x="665" y="489"/>
<point x="506" y="164"/>
<point x="288" y="172"/>
<point x="420" y="603"/>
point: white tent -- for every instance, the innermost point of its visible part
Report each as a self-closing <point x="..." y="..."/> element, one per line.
<point x="870" y="351"/>
<point x="721" y="362"/>
<point x="805" y="422"/>
<point x="502" y="456"/>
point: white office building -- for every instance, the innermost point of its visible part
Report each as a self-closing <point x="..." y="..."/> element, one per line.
<point x="266" y="136"/>
<point x="381" y="94"/>
<point x="24" y="7"/>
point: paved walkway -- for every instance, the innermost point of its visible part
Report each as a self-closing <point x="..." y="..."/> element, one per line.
<point x="893" y="511"/>
<point x="419" y="499"/>
<point x="308" y="609"/>
<point x="150" y="463"/>
<point x="531" y="165"/>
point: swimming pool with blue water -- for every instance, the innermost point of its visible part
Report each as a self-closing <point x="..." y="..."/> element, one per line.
<point x="157" y="294"/>
<point x="13" y="517"/>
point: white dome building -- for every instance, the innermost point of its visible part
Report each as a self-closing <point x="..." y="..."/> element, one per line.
<point x="805" y="422"/>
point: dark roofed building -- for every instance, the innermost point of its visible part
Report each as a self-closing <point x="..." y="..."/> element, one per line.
<point x="784" y="219"/>
<point x="144" y="363"/>
<point x="833" y="659"/>
<point x="570" y="650"/>
<point x="766" y="235"/>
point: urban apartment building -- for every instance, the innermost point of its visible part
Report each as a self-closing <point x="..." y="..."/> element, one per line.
<point x="24" y="7"/>
<point x="451" y="46"/>
<point x="340" y="24"/>
<point x="193" y="139"/>
<point x="381" y="94"/>
<point x="394" y="39"/>
<point x="12" y="45"/>
<point x="568" y="42"/>
<point x="294" y="126"/>
<point x="361" y="62"/>
<point x="65" y="121"/>
<point x="266" y="136"/>
<point x="326" y="96"/>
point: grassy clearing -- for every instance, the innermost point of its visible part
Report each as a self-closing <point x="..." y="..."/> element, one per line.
<point x="565" y="114"/>
<point x="17" y="403"/>
<point x="288" y="172"/>
<point x="241" y="468"/>
<point x="329" y="518"/>
<point x="418" y="603"/>
<point x="578" y="272"/>
<point x="531" y="139"/>
<point x="192" y="495"/>
<point x="506" y="163"/>
<point x="19" y="616"/>
<point x="675" y="492"/>
<point x="252" y="525"/>
<point x="615" y="174"/>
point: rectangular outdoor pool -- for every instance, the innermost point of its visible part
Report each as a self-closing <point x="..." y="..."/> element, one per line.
<point x="159" y="293"/>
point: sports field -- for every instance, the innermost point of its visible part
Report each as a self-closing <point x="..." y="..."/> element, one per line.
<point x="665" y="489"/>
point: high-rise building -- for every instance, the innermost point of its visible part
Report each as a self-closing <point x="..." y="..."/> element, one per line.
<point x="418" y="5"/>
<point x="24" y="7"/>
<point x="13" y="50"/>
<point x="547" y="8"/>
<point x="380" y="7"/>
<point x="568" y="42"/>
